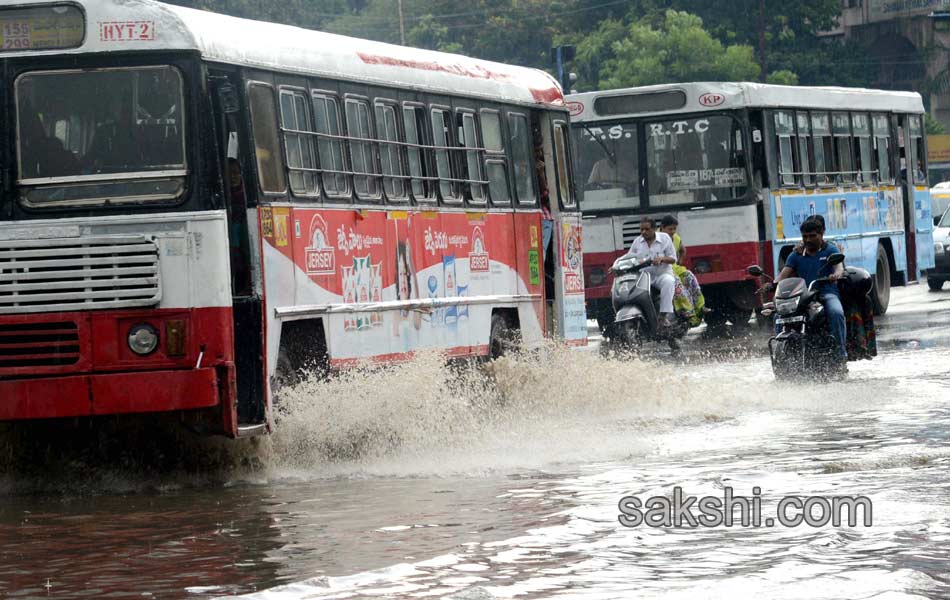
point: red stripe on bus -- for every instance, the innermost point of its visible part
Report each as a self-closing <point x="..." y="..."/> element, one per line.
<point x="108" y="394"/>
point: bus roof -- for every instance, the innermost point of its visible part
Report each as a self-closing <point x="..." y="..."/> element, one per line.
<point x="143" y="25"/>
<point x="675" y="98"/>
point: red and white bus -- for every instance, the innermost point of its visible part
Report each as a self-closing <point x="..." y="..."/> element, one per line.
<point x="741" y="165"/>
<point x="193" y="202"/>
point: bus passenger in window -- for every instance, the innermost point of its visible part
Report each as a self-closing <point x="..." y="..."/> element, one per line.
<point x="547" y="220"/>
<point x="616" y="171"/>
<point x="237" y="216"/>
<point x="44" y="154"/>
<point x="115" y="148"/>
<point x="688" y="296"/>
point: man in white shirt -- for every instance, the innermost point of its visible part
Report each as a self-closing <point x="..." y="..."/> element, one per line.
<point x="659" y="247"/>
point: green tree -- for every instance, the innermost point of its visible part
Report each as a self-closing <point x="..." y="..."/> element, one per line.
<point x="676" y="51"/>
<point x="778" y="32"/>
<point x="783" y="77"/>
<point x="932" y="126"/>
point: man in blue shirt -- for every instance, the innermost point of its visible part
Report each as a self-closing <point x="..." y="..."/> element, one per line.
<point x="811" y="264"/>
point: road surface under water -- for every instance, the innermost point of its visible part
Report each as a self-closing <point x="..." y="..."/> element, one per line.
<point x="423" y="481"/>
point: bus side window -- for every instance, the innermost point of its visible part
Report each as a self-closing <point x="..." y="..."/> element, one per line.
<point x="521" y="153"/>
<point x="785" y="143"/>
<point x="390" y="153"/>
<point x="418" y="154"/>
<point x="804" y="148"/>
<point x="496" y="164"/>
<point x="270" y="171"/>
<point x="359" y="130"/>
<point x="824" y="148"/>
<point x="442" y="141"/>
<point x="561" y="153"/>
<point x="917" y="154"/>
<point x="841" y="129"/>
<point x="862" y="147"/>
<point x="472" y="162"/>
<point x="301" y="163"/>
<point x="882" y="148"/>
<point x="333" y="166"/>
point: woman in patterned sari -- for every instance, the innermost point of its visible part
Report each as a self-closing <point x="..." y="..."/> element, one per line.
<point x="688" y="297"/>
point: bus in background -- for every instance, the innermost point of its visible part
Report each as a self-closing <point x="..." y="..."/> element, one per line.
<point x="193" y="204"/>
<point x="741" y="165"/>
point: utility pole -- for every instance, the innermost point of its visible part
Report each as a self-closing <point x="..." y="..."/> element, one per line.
<point x="402" y="24"/>
<point x="561" y="55"/>
<point x="763" y="60"/>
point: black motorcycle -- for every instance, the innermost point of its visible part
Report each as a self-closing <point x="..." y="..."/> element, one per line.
<point x="805" y="345"/>
<point x="636" y="305"/>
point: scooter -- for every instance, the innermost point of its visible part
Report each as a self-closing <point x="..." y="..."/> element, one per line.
<point x="805" y="346"/>
<point x="635" y="308"/>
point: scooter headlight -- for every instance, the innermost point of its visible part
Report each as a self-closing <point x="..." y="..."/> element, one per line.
<point x="787" y="305"/>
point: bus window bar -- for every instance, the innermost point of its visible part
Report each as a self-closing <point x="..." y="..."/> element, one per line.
<point x="838" y="174"/>
<point x="108" y="177"/>
<point x="425" y="305"/>
<point x="346" y="138"/>
<point x="388" y="176"/>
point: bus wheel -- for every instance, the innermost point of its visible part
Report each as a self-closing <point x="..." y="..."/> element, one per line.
<point x="935" y="284"/>
<point x="881" y="292"/>
<point x="503" y="339"/>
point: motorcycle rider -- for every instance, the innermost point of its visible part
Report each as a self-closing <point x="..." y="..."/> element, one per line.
<point x="810" y="265"/>
<point x="659" y="247"/>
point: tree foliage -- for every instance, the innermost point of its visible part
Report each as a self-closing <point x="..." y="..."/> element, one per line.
<point x="619" y="42"/>
<point x="678" y="50"/>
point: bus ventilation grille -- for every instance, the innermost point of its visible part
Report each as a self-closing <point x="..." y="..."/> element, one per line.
<point x="630" y="230"/>
<point x="78" y="274"/>
<point x="39" y="345"/>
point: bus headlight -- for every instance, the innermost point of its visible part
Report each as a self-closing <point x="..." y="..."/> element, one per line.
<point x="143" y="339"/>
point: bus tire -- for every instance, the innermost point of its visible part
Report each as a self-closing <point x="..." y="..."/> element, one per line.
<point x="935" y="284"/>
<point x="881" y="290"/>
<point x="502" y="339"/>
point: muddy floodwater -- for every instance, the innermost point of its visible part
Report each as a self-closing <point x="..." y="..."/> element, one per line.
<point x="422" y="481"/>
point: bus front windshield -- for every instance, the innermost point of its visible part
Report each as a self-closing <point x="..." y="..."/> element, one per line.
<point x="688" y="161"/>
<point x="100" y="136"/>
<point x="693" y="161"/>
<point x="607" y="166"/>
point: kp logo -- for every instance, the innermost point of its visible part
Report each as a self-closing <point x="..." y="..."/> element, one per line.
<point x="478" y="258"/>
<point x="712" y="99"/>
<point x="575" y="108"/>
<point x="319" y="254"/>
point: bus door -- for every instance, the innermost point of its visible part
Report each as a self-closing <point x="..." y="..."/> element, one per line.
<point x="919" y="218"/>
<point x="569" y="307"/>
<point x="246" y="302"/>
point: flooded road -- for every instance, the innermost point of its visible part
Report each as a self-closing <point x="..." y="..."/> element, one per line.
<point x="420" y="481"/>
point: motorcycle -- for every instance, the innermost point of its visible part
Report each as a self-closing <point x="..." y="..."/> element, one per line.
<point x="805" y="345"/>
<point x="636" y="304"/>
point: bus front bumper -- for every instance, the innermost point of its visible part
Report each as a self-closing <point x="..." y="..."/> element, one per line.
<point x="108" y="394"/>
